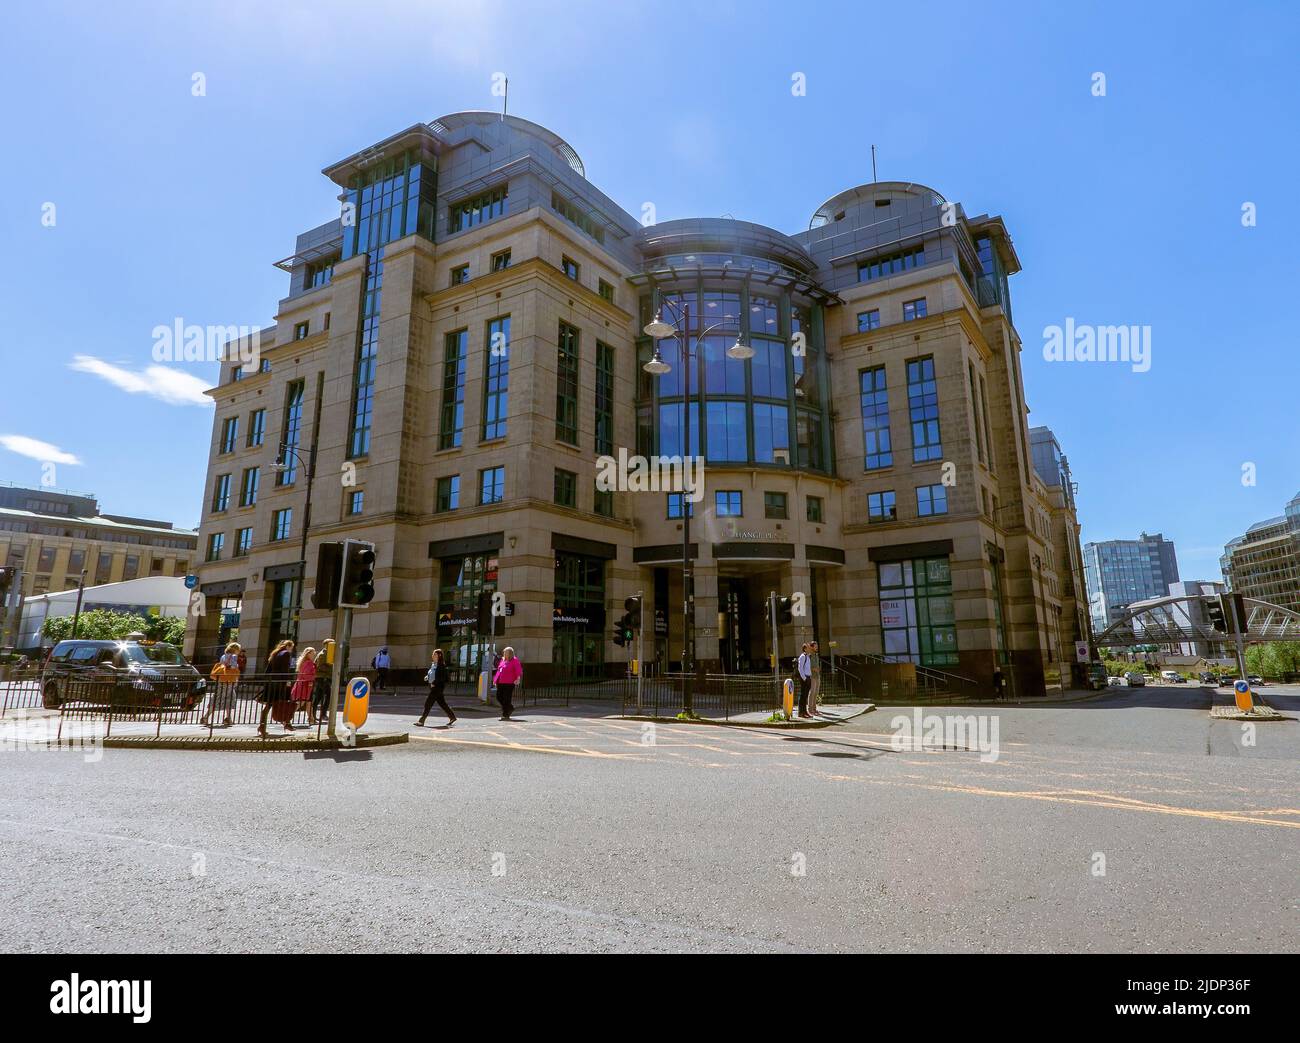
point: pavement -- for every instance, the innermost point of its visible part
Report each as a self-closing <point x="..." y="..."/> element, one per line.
<point x="1120" y="824"/>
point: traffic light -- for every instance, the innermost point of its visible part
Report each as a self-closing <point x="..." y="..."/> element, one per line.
<point x="357" y="587"/>
<point x="329" y="556"/>
<point x="1214" y="612"/>
<point x="784" y="611"/>
<point x="628" y="623"/>
<point x="1234" y="611"/>
<point x="633" y="607"/>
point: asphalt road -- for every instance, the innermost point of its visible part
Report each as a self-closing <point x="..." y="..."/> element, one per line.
<point x="564" y="832"/>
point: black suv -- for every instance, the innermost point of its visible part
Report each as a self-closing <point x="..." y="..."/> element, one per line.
<point x="123" y="674"/>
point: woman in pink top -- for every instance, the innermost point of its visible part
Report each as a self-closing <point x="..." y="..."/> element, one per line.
<point x="508" y="674"/>
<point x="304" y="682"/>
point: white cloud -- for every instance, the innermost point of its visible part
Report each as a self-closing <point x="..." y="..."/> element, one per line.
<point x="165" y="383"/>
<point x="37" y="450"/>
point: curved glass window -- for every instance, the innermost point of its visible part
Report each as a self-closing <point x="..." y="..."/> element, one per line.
<point x="768" y="410"/>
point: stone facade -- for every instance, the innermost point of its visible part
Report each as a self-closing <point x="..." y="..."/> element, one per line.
<point x="513" y="228"/>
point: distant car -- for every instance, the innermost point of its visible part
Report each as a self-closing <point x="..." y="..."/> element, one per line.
<point x="1115" y="681"/>
<point x="1135" y="679"/>
<point x="1172" y="677"/>
<point x="123" y="674"/>
<point x="1255" y="680"/>
<point x="1226" y="682"/>
<point x="1209" y="678"/>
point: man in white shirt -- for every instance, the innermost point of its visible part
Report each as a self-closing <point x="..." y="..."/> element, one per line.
<point x="381" y="663"/>
<point x="805" y="680"/>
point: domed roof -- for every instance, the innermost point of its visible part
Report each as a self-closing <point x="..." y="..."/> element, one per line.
<point x="828" y="211"/>
<point x="455" y="120"/>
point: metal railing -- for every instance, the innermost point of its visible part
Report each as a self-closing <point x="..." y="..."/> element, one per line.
<point x="715" y="696"/>
<point x="160" y="702"/>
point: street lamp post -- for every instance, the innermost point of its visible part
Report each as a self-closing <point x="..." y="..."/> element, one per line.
<point x="658" y="329"/>
<point x="281" y="465"/>
<point x="76" y="615"/>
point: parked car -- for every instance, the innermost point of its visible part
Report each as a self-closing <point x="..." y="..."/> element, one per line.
<point x="124" y="674"/>
<point x="1256" y="680"/>
<point x="1115" y="681"/>
<point x="1207" y="678"/>
<point x="1226" y="682"/>
<point x="1135" y="678"/>
<point x="1172" y="677"/>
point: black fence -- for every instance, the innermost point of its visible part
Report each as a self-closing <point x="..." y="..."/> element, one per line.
<point x="717" y="696"/>
<point x="165" y="701"/>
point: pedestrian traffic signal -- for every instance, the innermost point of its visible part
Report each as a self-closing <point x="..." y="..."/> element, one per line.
<point x="784" y="611"/>
<point x="633" y="606"/>
<point x="357" y="586"/>
<point x="329" y="559"/>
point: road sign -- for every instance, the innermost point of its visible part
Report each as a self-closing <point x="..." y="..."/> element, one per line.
<point x="1081" y="654"/>
<point x="191" y="581"/>
<point x="1244" y="702"/>
<point x="357" y="707"/>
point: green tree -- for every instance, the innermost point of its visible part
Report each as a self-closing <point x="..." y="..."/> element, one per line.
<point x="96" y="625"/>
<point x="1273" y="658"/>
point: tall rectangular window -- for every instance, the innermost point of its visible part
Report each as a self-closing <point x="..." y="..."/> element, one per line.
<point x="496" y="379"/>
<point x="492" y="485"/>
<point x="603" y="502"/>
<point x="816" y="511"/>
<point x="367" y="358"/>
<point x="453" y="389"/>
<point x="566" y="488"/>
<point x="281" y="524"/>
<point x="923" y="410"/>
<point x="291" y="432"/>
<point x="975" y="412"/>
<point x="221" y="493"/>
<point x="881" y="506"/>
<point x="229" y="434"/>
<point x="566" y="386"/>
<point x="448" y="493"/>
<point x="917" y="620"/>
<point x="243" y="541"/>
<point x="216" y="541"/>
<point x="248" y="486"/>
<point x="878" y="449"/>
<point x="604" y="398"/>
<point x="931" y="499"/>
<point x="256" y="428"/>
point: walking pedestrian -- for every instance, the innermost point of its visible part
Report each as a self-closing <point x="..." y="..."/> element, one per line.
<point x="437" y="681"/>
<point x="280" y="665"/>
<point x="320" y="700"/>
<point x="508" y="674"/>
<point x="804" y="667"/>
<point x="303" y="684"/>
<point x="997" y="682"/>
<point x="381" y="663"/>
<point x="226" y="674"/>
<point x="815" y="688"/>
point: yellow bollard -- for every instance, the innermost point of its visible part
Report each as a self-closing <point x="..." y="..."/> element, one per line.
<point x="1244" y="701"/>
<point x="787" y="691"/>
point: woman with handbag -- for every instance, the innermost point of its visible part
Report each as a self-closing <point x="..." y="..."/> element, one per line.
<point x="437" y="681"/>
<point x="508" y="674"/>
<point x="226" y="673"/>
<point x="280" y="665"/>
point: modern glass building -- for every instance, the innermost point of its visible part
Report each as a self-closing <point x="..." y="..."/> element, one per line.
<point x="466" y="343"/>
<point x="1264" y="562"/>
<point x="1120" y="572"/>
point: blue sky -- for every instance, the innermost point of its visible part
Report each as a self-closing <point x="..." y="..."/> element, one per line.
<point x="1125" y="209"/>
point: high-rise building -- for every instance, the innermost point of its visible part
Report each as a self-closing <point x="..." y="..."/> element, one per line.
<point x="467" y="344"/>
<point x="1120" y="572"/>
<point x="1264" y="562"/>
<point x="49" y="539"/>
<point x="1053" y="467"/>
